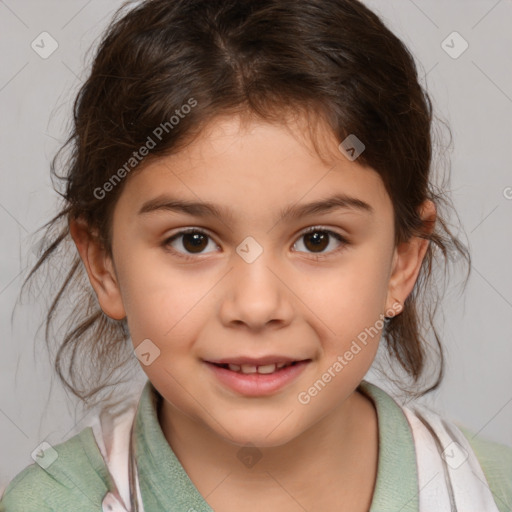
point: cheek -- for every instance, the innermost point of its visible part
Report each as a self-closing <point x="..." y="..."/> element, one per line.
<point x="163" y="304"/>
<point x="366" y="277"/>
<point x="351" y="300"/>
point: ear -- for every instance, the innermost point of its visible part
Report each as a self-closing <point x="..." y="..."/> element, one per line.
<point x="407" y="260"/>
<point x="100" y="268"/>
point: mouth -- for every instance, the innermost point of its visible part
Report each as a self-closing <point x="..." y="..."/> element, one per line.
<point x="257" y="377"/>
<point x="254" y="377"/>
<point x="264" y="365"/>
<point x="264" y="369"/>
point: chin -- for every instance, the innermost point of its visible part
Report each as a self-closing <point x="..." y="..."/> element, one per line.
<point x="259" y="439"/>
<point x="261" y="432"/>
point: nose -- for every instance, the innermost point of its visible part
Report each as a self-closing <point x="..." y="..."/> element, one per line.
<point x="256" y="294"/>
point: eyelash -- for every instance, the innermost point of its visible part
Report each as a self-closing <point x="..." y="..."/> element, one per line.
<point x="313" y="229"/>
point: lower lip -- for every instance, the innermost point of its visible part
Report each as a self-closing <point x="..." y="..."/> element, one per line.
<point x="258" y="384"/>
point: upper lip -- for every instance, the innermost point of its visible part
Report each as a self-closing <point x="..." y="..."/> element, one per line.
<point x="256" y="361"/>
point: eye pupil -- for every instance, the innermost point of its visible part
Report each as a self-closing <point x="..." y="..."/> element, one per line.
<point x="318" y="239"/>
<point x="197" y="241"/>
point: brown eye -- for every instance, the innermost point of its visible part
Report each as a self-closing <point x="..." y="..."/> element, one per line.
<point x="193" y="241"/>
<point x="317" y="240"/>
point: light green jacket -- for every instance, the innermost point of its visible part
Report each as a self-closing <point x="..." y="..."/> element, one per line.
<point x="78" y="479"/>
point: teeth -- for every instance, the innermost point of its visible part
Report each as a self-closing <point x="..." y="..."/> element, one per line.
<point x="251" y="368"/>
<point x="268" y="368"/>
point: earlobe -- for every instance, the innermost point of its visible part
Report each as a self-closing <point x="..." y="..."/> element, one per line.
<point x="99" y="267"/>
<point x="408" y="258"/>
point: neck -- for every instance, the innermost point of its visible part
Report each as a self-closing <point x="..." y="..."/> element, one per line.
<point x="342" y="447"/>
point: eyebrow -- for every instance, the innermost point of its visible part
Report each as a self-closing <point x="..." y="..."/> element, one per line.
<point x="206" y="209"/>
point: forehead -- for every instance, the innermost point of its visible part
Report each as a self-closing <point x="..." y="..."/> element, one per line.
<point x="250" y="167"/>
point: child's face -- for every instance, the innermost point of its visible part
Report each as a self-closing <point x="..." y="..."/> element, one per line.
<point x="224" y="303"/>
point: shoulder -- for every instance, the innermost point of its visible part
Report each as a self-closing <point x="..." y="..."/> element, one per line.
<point x="496" y="462"/>
<point x="67" y="476"/>
<point x="28" y="491"/>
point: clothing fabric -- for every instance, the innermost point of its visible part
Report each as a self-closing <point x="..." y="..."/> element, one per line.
<point x="79" y="478"/>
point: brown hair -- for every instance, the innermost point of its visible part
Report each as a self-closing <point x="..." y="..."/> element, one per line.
<point x="334" y="59"/>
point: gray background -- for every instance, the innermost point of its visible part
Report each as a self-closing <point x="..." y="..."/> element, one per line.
<point x="473" y="93"/>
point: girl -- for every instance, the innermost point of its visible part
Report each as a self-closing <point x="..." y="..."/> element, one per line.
<point x="249" y="192"/>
